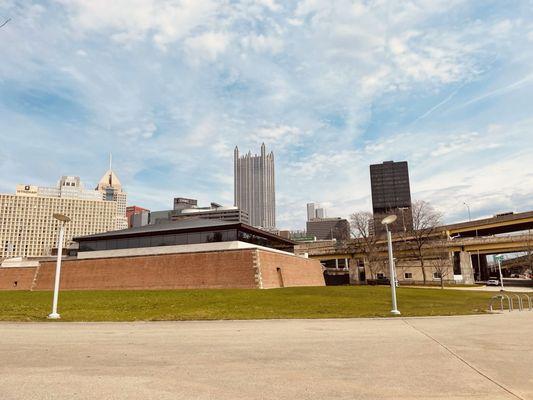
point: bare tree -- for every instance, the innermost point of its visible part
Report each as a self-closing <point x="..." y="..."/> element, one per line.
<point x="361" y="227"/>
<point x="441" y="266"/>
<point x="426" y="222"/>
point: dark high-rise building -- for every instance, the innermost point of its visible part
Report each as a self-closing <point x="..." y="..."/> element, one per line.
<point x="329" y="228"/>
<point x="391" y="194"/>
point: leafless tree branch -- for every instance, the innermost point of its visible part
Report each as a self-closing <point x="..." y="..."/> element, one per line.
<point x="426" y="222"/>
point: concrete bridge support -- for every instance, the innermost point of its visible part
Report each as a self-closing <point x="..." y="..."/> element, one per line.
<point x="467" y="270"/>
<point x="356" y="270"/>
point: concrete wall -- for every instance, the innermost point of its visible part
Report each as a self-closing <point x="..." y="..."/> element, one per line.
<point x="413" y="267"/>
<point x="244" y="268"/>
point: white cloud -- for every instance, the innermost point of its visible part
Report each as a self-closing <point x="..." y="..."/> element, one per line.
<point x="329" y="86"/>
<point x="207" y="46"/>
<point x="164" y="21"/>
<point x="262" y="43"/>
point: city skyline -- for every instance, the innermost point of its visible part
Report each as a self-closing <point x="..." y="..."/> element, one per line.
<point x="331" y="88"/>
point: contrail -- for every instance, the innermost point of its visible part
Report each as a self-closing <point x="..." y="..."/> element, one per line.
<point x="500" y="90"/>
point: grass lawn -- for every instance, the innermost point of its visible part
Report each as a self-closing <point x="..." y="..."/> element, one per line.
<point x="309" y="302"/>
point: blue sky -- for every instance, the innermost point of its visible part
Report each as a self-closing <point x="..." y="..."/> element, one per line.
<point x="170" y="87"/>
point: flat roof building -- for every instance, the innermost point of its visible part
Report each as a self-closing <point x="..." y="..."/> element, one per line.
<point x="186" y="209"/>
<point x="27" y="226"/>
<point x="329" y="228"/>
<point x="185" y="232"/>
<point x="177" y="255"/>
<point x="136" y="216"/>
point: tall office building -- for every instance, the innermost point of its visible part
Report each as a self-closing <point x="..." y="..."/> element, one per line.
<point x="314" y="212"/>
<point x="255" y="187"/>
<point x="111" y="190"/>
<point x="27" y="226"/>
<point x="311" y="214"/>
<point x="391" y="194"/>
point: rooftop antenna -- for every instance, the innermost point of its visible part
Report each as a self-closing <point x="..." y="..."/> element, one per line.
<point x="110" y="172"/>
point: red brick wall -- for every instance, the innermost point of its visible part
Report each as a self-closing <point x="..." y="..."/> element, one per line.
<point x="23" y="277"/>
<point x="225" y="269"/>
<point x="295" y="271"/>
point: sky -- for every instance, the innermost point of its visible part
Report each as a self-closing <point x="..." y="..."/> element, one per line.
<point x="170" y="87"/>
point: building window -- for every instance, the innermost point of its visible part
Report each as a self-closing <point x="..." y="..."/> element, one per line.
<point x="408" y="275"/>
<point x="380" y="275"/>
<point x="436" y="275"/>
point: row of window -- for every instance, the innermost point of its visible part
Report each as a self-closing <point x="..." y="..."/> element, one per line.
<point x="408" y="275"/>
<point x="181" y="239"/>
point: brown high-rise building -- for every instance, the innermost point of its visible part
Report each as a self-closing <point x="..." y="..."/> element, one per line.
<point x="391" y="194"/>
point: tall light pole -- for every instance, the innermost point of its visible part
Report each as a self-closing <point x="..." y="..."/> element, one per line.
<point x="387" y="221"/>
<point x="499" y="258"/>
<point x="63" y="219"/>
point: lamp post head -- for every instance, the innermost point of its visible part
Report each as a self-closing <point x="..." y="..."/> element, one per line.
<point x="61" y="217"/>
<point x="389" y="220"/>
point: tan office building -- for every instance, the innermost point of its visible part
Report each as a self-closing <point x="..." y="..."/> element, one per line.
<point x="27" y="226"/>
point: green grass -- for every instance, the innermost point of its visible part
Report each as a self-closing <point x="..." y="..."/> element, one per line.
<point x="310" y="302"/>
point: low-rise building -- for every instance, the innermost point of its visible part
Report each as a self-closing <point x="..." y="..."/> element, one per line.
<point x="137" y="215"/>
<point x="177" y="255"/>
<point x="186" y="209"/>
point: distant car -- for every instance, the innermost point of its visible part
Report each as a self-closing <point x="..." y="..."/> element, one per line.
<point x="379" y="281"/>
<point x="493" y="282"/>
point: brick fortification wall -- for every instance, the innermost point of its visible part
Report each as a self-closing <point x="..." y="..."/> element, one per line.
<point x="22" y="276"/>
<point x="293" y="271"/>
<point x="221" y="269"/>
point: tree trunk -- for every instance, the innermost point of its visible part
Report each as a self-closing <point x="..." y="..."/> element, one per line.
<point x="441" y="282"/>
<point x="423" y="268"/>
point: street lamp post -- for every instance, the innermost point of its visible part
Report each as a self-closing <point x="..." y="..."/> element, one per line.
<point x="387" y="221"/>
<point x="500" y="258"/>
<point x="63" y="219"/>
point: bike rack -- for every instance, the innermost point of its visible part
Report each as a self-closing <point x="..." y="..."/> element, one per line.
<point x="520" y="307"/>
<point x="501" y="297"/>
<point x="528" y="300"/>
<point x="510" y="301"/>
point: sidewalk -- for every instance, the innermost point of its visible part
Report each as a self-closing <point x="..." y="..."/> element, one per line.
<point x="464" y="357"/>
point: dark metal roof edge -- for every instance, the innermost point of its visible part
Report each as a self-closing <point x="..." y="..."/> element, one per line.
<point x="224" y="226"/>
